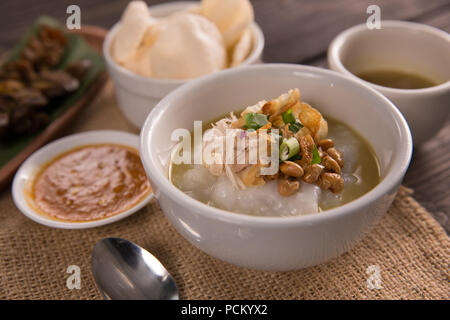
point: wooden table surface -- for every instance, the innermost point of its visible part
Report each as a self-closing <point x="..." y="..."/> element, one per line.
<point x="296" y="31"/>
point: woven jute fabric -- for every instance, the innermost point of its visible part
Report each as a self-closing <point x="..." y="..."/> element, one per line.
<point x="408" y="247"/>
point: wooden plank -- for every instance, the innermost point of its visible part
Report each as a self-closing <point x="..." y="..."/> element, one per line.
<point x="17" y="15"/>
<point x="439" y="18"/>
<point x="297" y="31"/>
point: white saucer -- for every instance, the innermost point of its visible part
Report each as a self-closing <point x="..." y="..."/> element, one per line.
<point x="48" y="152"/>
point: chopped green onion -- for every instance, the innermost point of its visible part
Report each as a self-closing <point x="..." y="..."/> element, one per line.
<point x="254" y="120"/>
<point x="289" y="148"/>
<point x="288" y="116"/>
<point x="316" y="156"/>
<point x="295" y="127"/>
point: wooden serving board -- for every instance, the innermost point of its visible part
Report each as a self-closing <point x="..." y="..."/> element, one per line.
<point x="94" y="36"/>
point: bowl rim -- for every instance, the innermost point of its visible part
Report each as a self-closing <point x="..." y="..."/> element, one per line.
<point x="344" y="37"/>
<point x="387" y="184"/>
<point x="60" y="146"/>
<point x="255" y="54"/>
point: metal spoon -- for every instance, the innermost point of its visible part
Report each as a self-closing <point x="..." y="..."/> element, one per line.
<point x="124" y="270"/>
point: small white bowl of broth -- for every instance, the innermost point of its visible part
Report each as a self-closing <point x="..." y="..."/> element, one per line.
<point x="407" y="62"/>
<point x="343" y="149"/>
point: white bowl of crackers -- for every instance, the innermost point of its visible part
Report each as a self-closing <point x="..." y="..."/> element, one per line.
<point x="153" y="50"/>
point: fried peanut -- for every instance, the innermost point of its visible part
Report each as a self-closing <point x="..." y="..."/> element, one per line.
<point x="291" y="169"/>
<point x="312" y="173"/>
<point x="250" y="176"/>
<point x="325" y="144"/>
<point x="287" y="187"/>
<point x="330" y="164"/>
<point x="323" y="183"/>
<point x="332" y="181"/>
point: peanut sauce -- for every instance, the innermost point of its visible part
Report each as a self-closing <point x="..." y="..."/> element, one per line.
<point x="91" y="182"/>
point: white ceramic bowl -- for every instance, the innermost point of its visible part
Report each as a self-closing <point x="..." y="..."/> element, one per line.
<point x="27" y="171"/>
<point x="407" y="46"/>
<point x="276" y="243"/>
<point x="137" y="95"/>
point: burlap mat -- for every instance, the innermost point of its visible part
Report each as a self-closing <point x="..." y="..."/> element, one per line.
<point x="410" y="248"/>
